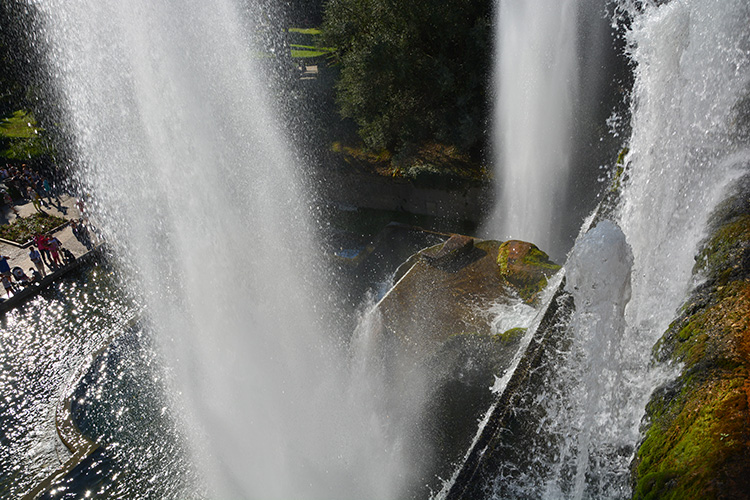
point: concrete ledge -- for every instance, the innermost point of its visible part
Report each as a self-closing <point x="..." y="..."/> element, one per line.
<point x="32" y="290"/>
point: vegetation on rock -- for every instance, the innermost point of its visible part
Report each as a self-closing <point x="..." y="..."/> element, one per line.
<point x="698" y="441"/>
<point x="526" y="267"/>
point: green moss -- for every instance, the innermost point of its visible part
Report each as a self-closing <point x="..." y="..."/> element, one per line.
<point x="684" y="458"/>
<point x="619" y="171"/>
<point x="655" y="485"/>
<point x="724" y="249"/>
<point x="541" y="260"/>
<point x="528" y="272"/>
<point x="697" y="442"/>
<point x="511" y="335"/>
<point x="502" y="261"/>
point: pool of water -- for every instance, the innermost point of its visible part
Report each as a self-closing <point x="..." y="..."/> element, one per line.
<point x="79" y="339"/>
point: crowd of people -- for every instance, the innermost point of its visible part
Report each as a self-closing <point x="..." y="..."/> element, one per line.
<point x="26" y="183"/>
<point x="46" y="253"/>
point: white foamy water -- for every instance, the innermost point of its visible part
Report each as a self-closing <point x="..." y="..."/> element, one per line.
<point x="693" y="69"/>
<point x="195" y="185"/>
<point x="536" y="74"/>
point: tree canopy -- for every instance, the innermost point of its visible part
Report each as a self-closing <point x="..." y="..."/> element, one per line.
<point x="413" y="71"/>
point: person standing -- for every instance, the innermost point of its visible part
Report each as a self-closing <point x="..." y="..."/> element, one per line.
<point x="54" y="249"/>
<point x="4" y="266"/>
<point x="35" y="199"/>
<point x="9" y="201"/>
<point x="5" y="275"/>
<point x="7" y="283"/>
<point x="41" y="243"/>
<point x="36" y="258"/>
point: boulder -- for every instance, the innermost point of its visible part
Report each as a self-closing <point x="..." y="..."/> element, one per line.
<point x="438" y="328"/>
<point x="525" y="267"/>
<point x="446" y="289"/>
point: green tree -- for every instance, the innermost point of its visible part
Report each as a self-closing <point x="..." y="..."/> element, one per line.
<point x="413" y="71"/>
<point x="18" y="59"/>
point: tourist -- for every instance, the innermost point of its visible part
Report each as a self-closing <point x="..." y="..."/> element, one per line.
<point x="36" y="258"/>
<point x="7" y="283"/>
<point x="67" y="256"/>
<point x="54" y="248"/>
<point x="47" y="190"/>
<point x="35" y="276"/>
<point x="9" y="201"/>
<point x="4" y="266"/>
<point x="35" y="199"/>
<point x="81" y="232"/>
<point x="42" y="244"/>
<point x="82" y="209"/>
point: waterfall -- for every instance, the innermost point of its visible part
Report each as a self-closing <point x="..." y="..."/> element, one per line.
<point x="193" y="181"/>
<point x="692" y="76"/>
<point x="191" y="178"/>
<point x="580" y="422"/>
<point x="536" y="75"/>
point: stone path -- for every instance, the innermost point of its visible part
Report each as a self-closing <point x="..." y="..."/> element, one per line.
<point x="66" y="209"/>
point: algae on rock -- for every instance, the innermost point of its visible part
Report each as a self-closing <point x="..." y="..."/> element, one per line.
<point x="697" y="444"/>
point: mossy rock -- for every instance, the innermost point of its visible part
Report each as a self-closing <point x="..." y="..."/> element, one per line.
<point x="697" y="444"/>
<point x="511" y="335"/>
<point x="526" y="267"/>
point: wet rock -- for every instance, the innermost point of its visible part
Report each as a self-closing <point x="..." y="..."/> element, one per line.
<point x="526" y="267"/>
<point x="697" y="441"/>
<point x="438" y="327"/>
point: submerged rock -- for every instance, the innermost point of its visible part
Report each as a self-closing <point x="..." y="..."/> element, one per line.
<point x="697" y="441"/>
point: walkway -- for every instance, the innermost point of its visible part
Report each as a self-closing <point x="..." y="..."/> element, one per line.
<point x="19" y="256"/>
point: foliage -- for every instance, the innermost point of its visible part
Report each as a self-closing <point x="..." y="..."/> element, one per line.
<point x="19" y="56"/>
<point x="22" y="229"/>
<point x="412" y="71"/>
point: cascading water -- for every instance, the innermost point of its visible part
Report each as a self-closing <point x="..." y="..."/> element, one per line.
<point x="192" y="182"/>
<point x="536" y="73"/>
<point x="558" y="72"/>
<point x="687" y="146"/>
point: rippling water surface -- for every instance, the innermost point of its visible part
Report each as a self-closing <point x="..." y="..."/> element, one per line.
<point x="79" y="338"/>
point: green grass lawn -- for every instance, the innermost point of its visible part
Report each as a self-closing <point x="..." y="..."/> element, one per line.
<point x="305" y="31"/>
<point x="21" y="137"/>
<point x="302" y="42"/>
<point x="298" y="53"/>
<point x="21" y="125"/>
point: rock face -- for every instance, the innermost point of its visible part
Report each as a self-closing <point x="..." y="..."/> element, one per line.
<point x="444" y="290"/>
<point x="698" y="442"/>
<point x="436" y="322"/>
